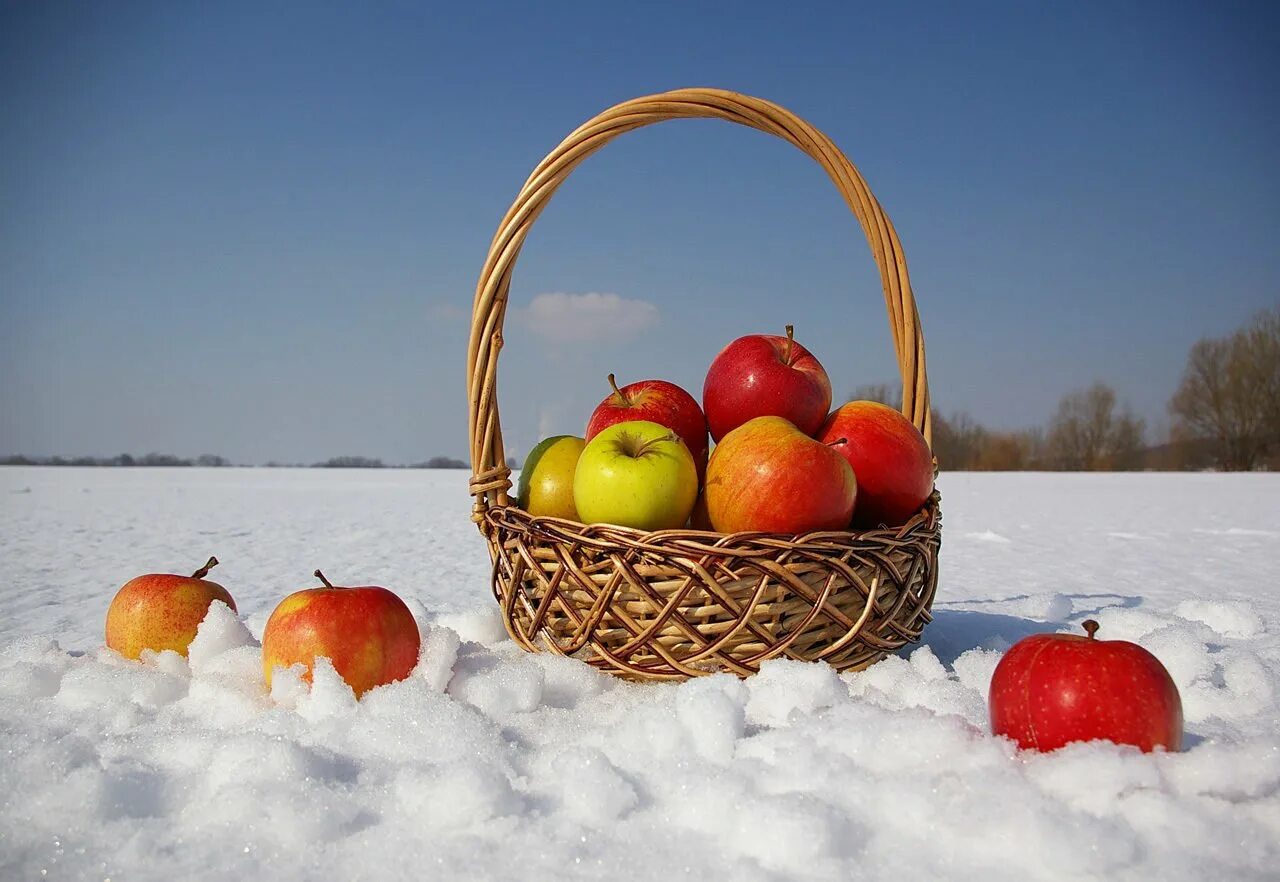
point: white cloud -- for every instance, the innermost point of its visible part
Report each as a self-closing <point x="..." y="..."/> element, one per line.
<point x="587" y="318"/>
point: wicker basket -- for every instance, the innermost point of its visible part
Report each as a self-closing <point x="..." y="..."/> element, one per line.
<point x="674" y="604"/>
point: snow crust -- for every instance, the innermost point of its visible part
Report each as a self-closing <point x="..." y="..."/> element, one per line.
<point x="490" y="763"/>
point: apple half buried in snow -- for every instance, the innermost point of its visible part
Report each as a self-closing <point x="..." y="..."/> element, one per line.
<point x="368" y="633"/>
<point x="1052" y="689"/>
<point x="162" y="611"/>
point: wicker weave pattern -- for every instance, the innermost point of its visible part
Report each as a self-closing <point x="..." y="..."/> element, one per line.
<point x="675" y="604"/>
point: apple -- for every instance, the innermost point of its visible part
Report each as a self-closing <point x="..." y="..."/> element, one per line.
<point x="367" y="632"/>
<point x="765" y="375"/>
<point x="768" y="476"/>
<point x="546" y="479"/>
<point x="1052" y="689"/>
<point x="162" y="611"/>
<point x="660" y="402"/>
<point x="890" y="458"/>
<point x="636" y="474"/>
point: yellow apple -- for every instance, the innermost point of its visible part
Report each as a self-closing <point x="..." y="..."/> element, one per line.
<point x="546" y="480"/>
<point x="636" y="474"/>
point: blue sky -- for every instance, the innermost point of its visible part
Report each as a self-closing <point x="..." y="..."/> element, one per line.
<point x="256" y="231"/>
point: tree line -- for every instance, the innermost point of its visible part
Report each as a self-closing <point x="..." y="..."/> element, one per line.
<point x="209" y="460"/>
<point x="125" y="460"/>
<point x="1225" y="414"/>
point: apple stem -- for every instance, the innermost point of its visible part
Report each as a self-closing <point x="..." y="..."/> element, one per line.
<point x="319" y="575"/>
<point x="204" y="570"/>
<point x="791" y="332"/>
<point x="837" y="442"/>
<point x="1091" y="626"/>
<point x="645" y="445"/>
<point x="623" y="401"/>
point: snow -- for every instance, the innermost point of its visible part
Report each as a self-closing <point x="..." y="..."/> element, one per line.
<point x="490" y="763"/>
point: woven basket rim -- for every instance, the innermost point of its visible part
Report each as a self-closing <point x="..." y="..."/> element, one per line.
<point x="664" y="540"/>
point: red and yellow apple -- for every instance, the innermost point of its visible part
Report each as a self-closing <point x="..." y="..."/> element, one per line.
<point x="768" y="476"/>
<point x="659" y="402"/>
<point x="162" y="611"/>
<point x="367" y="632"/>
<point x="765" y="375"/>
<point x="1053" y="689"/>
<point x="636" y="474"/>
<point x="546" y="479"/>
<point x="890" y="458"/>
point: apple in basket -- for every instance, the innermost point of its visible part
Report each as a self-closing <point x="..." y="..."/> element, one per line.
<point x="765" y="375"/>
<point x="162" y="611"/>
<point x="636" y="474"/>
<point x="659" y="402"/>
<point x="1053" y="689"/>
<point x="769" y="476"/>
<point x="890" y="458"/>
<point x="546" y="479"/>
<point x="368" y="633"/>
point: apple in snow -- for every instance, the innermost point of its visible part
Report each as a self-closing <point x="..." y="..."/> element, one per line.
<point x="162" y="611"/>
<point x="1053" y="689"/>
<point x="767" y="475"/>
<point x="890" y="458"/>
<point x="367" y="632"/>
<point x="546" y="479"/>
<point x="636" y="474"/>
<point x="659" y="402"/>
<point x="765" y="375"/>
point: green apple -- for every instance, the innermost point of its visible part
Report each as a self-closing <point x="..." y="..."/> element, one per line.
<point x="546" y="480"/>
<point x="636" y="474"/>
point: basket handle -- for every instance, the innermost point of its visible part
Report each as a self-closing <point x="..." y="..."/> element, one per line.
<point x="490" y="475"/>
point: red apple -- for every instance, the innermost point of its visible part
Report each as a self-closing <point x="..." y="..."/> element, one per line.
<point x="1052" y="689"/>
<point x="658" y="402"/>
<point x="368" y="633"/>
<point x="765" y="375"/>
<point x="768" y="476"/>
<point x="162" y="611"/>
<point x="893" y="463"/>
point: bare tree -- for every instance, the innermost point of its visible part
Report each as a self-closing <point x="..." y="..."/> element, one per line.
<point x="885" y="393"/>
<point x="957" y="441"/>
<point x="1088" y="434"/>
<point x="1261" y="342"/>
<point x="1009" y="451"/>
<point x="1230" y="393"/>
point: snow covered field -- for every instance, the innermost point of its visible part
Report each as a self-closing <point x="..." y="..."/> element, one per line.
<point x="493" y="764"/>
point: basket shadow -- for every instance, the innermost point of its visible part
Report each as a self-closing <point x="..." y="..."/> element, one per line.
<point x="954" y="632"/>
<point x="1124" y="601"/>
